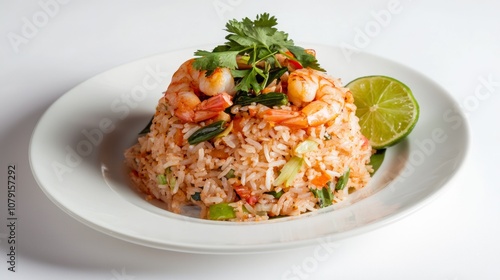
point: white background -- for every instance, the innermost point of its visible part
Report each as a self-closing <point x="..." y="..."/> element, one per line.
<point x="46" y="49"/>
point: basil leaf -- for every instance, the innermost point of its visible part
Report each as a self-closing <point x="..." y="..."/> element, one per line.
<point x="376" y="160"/>
<point x="147" y="128"/>
<point x="270" y="99"/>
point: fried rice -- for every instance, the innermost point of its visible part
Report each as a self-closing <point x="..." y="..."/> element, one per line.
<point x="250" y="155"/>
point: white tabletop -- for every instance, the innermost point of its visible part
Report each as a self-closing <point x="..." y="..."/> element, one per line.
<point x="50" y="46"/>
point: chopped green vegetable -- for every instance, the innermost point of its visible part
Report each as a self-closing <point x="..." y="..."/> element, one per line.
<point x="170" y="178"/>
<point x="306" y="146"/>
<point x="206" y="133"/>
<point x="167" y="179"/>
<point x="342" y="182"/>
<point x="276" y="195"/>
<point x="221" y="211"/>
<point x="270" y="99"/>
<point x="275" y="74"/>
<point x="289" y="171"/>
<point x="376" y="160"/>
<point x="147" y="128"/>
<point x="226" y="131"/>
<point x="256" y="43"/>
<point x="327" y="136"/>
<point x="324" y="195"/>
<point x="196" y="196"/>
<point x="230" y="174"/>
<point x="161" y="179"/>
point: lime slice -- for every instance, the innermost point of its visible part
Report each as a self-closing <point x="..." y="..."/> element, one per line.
<point x="386" y="109"/>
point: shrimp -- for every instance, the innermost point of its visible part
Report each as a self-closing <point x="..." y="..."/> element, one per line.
<point x="319" y="95"/>
<point x="190" y="86"/>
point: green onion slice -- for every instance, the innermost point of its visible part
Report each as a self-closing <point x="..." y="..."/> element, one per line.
<point x="342" y="182"/>
<point x="289" y="171"/>
<point x="207" y="132"/>
<point x="324" y="195"/>
<point x="306" y="146"/>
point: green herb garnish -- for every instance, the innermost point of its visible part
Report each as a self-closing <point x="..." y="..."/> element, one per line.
<point x="256" y="44"/>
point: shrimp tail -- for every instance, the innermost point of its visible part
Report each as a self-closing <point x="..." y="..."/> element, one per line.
<point x="199" y="116"/>
<point x="317" y="94"/>
<point x="212" y="107"/>
<point x="189" y="87"/>
<point x="285" y="117"/>
<point x="216" y="103"/>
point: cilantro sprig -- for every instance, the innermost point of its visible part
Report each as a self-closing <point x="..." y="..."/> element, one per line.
<point x="255" y="44"/>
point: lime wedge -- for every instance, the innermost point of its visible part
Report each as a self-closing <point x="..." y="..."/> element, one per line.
<point x="386" y="109"/>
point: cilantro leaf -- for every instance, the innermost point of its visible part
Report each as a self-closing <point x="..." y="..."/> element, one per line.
<point x="249" y="79"/>
<point x="212" y="60"/>
<point x="265" y="21"/>
<point x="305" y="59"/>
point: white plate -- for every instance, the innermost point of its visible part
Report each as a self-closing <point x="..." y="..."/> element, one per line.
<point x="76" y="157"/>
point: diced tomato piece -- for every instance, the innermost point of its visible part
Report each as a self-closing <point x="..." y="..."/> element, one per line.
<point x="245" y="193"/>
<point x="294" y="63"/>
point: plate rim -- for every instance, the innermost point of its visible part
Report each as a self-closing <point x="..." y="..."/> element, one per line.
<point x="256" y="248"/>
